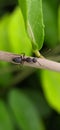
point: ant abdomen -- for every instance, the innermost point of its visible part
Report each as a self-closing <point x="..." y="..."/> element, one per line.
<point x="17" y="59"/>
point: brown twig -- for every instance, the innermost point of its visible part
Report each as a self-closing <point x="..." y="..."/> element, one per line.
<point x="41" y="63"/>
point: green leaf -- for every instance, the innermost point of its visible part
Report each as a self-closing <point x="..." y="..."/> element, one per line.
<point x="5" y="122"/>
<point x="23" y="6"/>
<point x="51" y="88"/>
<point x="19" y="40"/>
<point x="59" y="23"/>
<point x="51" y="26"/>
<point x="35" y="23"/>
<point x="39" y="101"/>
<point x="4" y="33"/>
<point x="4" y="77"/>
<point x="24" y="111"/>
<point x="32" y="12"/>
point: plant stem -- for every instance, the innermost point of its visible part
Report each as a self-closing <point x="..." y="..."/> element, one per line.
<point x="38" y="54"/>
<point x="41" y="63"/>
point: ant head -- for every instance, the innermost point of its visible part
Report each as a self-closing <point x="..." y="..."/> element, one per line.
<point x="34" y="60"/>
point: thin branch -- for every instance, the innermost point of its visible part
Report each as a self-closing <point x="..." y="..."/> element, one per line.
<point x="41" y="63"/>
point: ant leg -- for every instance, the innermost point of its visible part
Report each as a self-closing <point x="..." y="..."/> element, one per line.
<point x="23" y="55"/>
<point x="23" y="58"/>
<point x="39" y="63"/>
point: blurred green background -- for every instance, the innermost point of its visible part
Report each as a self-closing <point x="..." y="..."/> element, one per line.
<point x="29" y="98"/>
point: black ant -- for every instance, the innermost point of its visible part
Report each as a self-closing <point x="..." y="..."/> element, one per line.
<point x="22" y="59"/>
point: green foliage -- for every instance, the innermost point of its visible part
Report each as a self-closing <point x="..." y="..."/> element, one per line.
<point x="4" y="40"/>
<point x="22" y="31"/>
<point x="50" y="20"/>
<point x="51" y="88"/>
<point x="34" y="20"/>
<point x="39" y="102"/>
<point x="24" y="111"/>
<point x="59" y="23"/>
<point x="4" y="33"/>
<point x="19" y="40"/>
<point x="23" y="6"/>
<point x="5" y="122"/>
